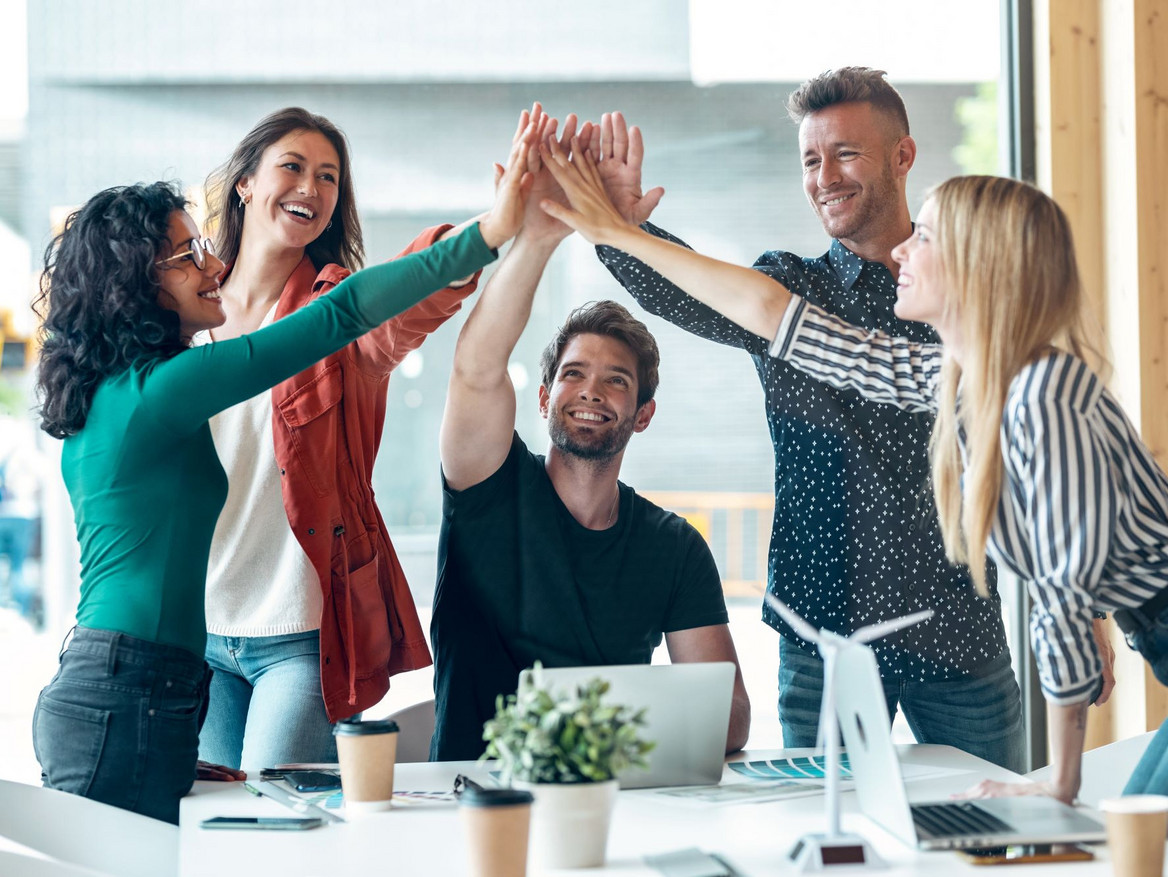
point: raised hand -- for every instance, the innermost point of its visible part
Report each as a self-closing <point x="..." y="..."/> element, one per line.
<point x="537" y="223"/>
<point x="512" y="185"/>
<point x="592" y="212"/>
<point x="619" y="152"/>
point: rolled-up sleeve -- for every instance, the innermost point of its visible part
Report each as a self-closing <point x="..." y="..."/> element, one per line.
<point x="1070" y="498"/>
<point x="893" y="371"/>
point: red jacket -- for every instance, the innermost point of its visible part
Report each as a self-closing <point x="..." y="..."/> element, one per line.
<point x="327" y="422"/>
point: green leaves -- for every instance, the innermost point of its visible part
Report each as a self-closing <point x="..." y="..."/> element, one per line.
<point x="545" y="737"/>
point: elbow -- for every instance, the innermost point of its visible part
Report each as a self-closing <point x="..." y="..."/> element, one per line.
<point x="739" y="729"/>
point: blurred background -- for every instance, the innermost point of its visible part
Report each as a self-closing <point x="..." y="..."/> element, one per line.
<point x="94" y="95"/>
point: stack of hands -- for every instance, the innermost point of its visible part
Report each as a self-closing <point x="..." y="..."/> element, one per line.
<point x="586" y="180"/>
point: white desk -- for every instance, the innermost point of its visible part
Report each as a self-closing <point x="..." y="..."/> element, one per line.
<point x="755" y="838"/>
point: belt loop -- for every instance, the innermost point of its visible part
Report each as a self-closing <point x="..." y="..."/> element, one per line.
<point x="111" y="665"/>
<point x="65" y="643"/>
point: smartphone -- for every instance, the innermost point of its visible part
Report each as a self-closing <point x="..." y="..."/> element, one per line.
<point x="274" y="823"/>
<point x="1024" y="854"/>
<point x="312" y="780"/>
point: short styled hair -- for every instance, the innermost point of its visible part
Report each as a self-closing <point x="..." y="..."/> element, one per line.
<point x="849" y="85"/>
<point x="614" y="321"/>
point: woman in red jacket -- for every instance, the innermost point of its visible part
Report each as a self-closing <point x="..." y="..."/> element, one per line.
<point x="308" y="612"/>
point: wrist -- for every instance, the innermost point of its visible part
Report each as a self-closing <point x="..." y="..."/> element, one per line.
<point x="621" y="238"/>
<point x="491" y="235"/>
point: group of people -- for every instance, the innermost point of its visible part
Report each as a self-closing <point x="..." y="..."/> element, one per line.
<point x="222" y="402"/>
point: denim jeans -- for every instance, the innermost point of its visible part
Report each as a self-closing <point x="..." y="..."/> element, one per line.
<point x="980" y="714"/>
<point x="119" y="723"/>
<point x="266" y="703"/>
<point x="1151" y="774"/>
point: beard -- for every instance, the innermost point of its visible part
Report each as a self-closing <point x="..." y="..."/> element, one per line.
<point x="589" y="447"/>
<point x="877" y="199"/>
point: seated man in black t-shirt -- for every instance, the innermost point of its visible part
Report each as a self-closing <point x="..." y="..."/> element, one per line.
<point x="550" y="558"/>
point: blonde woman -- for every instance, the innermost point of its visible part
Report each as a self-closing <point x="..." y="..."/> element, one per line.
<point x="1034" y="463"/>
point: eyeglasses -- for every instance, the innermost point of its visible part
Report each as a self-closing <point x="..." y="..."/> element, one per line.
<point x="197" y="253"/>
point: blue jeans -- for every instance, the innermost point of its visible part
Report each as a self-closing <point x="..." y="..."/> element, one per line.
<point x="1151" y="774"/>
<point x="980" y="714"/>
<point x="266" y="703"/>
<point x="119" y="723"/>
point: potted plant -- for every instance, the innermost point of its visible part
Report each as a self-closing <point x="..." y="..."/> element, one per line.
<point x="566" y="747"/>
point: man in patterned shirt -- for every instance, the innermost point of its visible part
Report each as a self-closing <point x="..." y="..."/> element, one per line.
<point x="855" y="537"/>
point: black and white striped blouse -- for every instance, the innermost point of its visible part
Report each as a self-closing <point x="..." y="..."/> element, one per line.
<point x="1083" y="517"/>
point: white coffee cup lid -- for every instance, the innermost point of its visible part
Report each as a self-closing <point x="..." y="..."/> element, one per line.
<point x="1135" y="804"/>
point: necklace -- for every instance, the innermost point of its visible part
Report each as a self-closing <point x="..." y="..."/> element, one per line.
<point x="612" y="511"/>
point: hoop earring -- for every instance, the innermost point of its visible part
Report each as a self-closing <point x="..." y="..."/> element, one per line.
<point x="330" y="225"/>
<point x="244" y="200"/>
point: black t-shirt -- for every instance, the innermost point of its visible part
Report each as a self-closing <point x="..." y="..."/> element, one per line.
<point x="520" y="580"/>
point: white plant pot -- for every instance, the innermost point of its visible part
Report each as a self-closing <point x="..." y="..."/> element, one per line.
<point x="569" y="822"/>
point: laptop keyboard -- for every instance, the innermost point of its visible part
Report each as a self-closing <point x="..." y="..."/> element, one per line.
<point x="960" y="818"/>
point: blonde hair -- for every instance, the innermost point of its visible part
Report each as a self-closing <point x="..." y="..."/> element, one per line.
<point x="1012" y="284"/>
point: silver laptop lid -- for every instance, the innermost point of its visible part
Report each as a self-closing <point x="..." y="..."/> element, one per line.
<point x="865" y="725"/>
<point x="687" y="715"/>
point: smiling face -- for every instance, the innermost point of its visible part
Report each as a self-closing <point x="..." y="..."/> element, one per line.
<point x="851" y="171"/>
<point x="294" y="190"/>
<point x="920" y="287"/>
<point x="591" y="407"/>
<point x="189" y="291"/>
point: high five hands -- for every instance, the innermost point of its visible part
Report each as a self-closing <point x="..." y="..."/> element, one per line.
<point x="587" y="180"/>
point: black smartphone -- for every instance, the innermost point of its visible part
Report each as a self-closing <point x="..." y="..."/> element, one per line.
<point x="1025" y="854"/>
<point x="312" y="780"/>
<point x="272" y="823"/>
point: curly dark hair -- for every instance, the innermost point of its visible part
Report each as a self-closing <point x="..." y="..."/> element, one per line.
<point x="99" y="299"/>
<point x="340" y="243"/>
<point x="614" y="321"/>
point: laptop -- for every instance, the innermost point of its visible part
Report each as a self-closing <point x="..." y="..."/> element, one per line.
<point x="987" y="822"/>
<point x="687" y="714"/>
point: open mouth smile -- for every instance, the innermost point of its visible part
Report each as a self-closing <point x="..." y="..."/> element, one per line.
<point x="299" y="211"/>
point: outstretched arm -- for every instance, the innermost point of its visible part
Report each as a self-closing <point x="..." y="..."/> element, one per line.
<point x="752" y="300"/>
<point x="480" y="403"/>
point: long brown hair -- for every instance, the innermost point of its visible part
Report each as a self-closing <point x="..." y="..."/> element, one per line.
<point x="341" y="242"/>
<point x="1012" y="283"/>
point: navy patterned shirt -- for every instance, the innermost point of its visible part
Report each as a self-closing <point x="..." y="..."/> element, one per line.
<point x="855" y="538"/>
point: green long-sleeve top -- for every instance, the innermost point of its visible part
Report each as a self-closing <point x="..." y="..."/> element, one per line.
<point x="143" y="476"/>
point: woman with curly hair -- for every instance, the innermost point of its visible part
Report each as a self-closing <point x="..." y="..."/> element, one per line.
<point x="126" y="286"/>
<point x="1035" y="464"/>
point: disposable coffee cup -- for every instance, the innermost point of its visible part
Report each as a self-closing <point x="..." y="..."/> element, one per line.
<point x="1137" y="827"/>
<point x="496" y="822"/>
<point x="366" y="751"/>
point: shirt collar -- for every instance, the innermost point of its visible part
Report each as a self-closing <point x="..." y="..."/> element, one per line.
<point x="846" y="264"/>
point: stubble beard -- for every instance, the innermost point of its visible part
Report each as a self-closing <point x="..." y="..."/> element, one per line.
<point x="597" y="452"/>
<point x="879" y="199"/>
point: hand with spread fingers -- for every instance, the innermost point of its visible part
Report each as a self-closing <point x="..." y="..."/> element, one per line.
<point x="619" y="152"/>
<point x="591" y="213"/>
<point x="512" y="187"/>
<point x="537" y="223"/>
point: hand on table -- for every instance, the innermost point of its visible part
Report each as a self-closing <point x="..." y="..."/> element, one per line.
<point x="218" y="773"/>
<point x="996" y="789"/>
